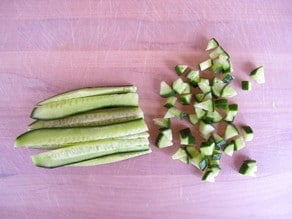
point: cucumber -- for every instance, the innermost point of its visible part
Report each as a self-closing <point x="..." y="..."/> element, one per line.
<point x="207" y="148"/>
<point x="193" y="119"/>
<point x="221" y="104"/>
<point x="110" y="158"/>
<point x="180" y="69"/>
<point x="91" y="91"/>
<point x="207" y="105"/>
<point x="219" y="141"/>
<point x="179" y="86"/>
<point x="247" y="133"/>
<point x="248" y="168"/>
<point x="181" y="155"/>
<point x="170" y="102"/>
<point x="228" y="78"/>
<point x="205" y="64"/>
<point x="218" y="51"/>
<point x="174" y="112"/>
<point x="196" y="158"/>
<point x="186" y="137"/>
<point x="246" y="85"/>
<point x="238" y="143"/>
<point x="205" y="129"/>
<point x="164" y="139"/>
<point x="212" y="44"/>
<point x="194" y="77"/>
<point x="185" y="99"/>
<point x="228" y="92"/>
<point x="258" y="75"/>
<point x="204" y="85"/>
<point x="67" y="107"/>
<point x="92" y="118"/>
<point x="57" y="137"/>
<point x="88" y="150"/>
<point x="134" y="136"/>
<point x="166" y="90"/>
<point x="230" y="131"/>
<point x="229" y="149"/>
<point x="162" y="122"/>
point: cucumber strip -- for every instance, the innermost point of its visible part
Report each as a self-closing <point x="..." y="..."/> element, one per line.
<point x="44" y="138"/>
<point x="207" y="105"/>
<point x="170" y="102"/>
<point x="194" y="77"/>
<point x="92" y="118"/>
<point x="258" y="75"/>
<point x="247" y="133"/>
<point x="67" y="107"/>
<point x="166" y="90"/>
<point x="91" y="91"/>
<point x="186" y="137"/>
<point x="185" y="99"/>
<point x="88" y="150"/>
<point x="230" y="131"/>
<point x="212" y="44"/>
<point x="180" y="69"/>
<point x="139" y="135"/>
<point x="164" y="139"/>
<point x="110" y="158"/>
<point x="162" y="122"/>
<point x="174" y="112"/>
<point x="193" y="119"/>
<point x="248" y="168"/>
<point x="246" y="85"/>
<point x="205" y="64"/>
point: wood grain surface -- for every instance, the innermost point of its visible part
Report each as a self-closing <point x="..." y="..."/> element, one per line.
<point x="48" y="47"/>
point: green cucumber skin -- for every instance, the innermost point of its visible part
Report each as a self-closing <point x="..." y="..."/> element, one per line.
<point x="90" y="91"/>
<point x="110" y="158"/>
<point x="60" y="109"/>
<point x="44" y="138"/>
<point x="92" y="118"/>
<point x="88" y="150"/>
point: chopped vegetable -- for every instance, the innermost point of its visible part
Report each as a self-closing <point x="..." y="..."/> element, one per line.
<point x="248" y="168"/>
<point x="246" y="85"/>
<point x="180" y="69"/>
<point x="166" y="90"/>
<point x="164" y="138"/>
<point x="258" y="75"/>
<point x="247" y="133"/>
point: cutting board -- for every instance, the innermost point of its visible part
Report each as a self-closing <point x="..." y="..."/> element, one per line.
<point x="48" y="47"/>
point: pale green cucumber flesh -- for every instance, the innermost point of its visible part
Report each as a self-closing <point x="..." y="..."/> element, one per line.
<point x="62" y="136"/>
<point x="92" y="118"/>
<point x="88" y="150"/>
<point x="90" y="91"/>
<point x="110" y="158"/>
<point x="60" y="109"/>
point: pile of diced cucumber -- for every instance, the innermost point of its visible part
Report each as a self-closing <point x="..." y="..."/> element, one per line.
<point x="210" y="98"/>
<point x="85" y="127"/>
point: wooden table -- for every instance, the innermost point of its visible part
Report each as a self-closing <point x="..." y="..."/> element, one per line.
<point x="47" y="47"/>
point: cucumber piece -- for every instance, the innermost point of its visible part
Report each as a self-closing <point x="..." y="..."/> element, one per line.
<point x="212" y="117"/>
<point x="228" y="92"/>
<point x="205" y="64"/>
<point x="248" y="168"/>
<point x="162" y="122"/>
<point x="219" y="141"/>
<point x="229" y="149"/>
<point x="58" y="137"/>
<point x="88" y="150"/>
<point x="207" y="148"/>
<point x="200" y="113"/>
<point x="180" y="69"/>
<point x="221" y="64"/>
<point x="166" y="90"/>
<point x="174" y="112"/>
<point x="92" y="118"/>
<point x="207" y="105"/>
<point x="134" y="136"/>
<point x="194" y="77"/>
<point x="90" y="91"/>
<point x="67" y="107"/>
<point x="186" y="99"/>
<point x="170" y="102"/>
<point x="110" y="158"/>
<point x="179" y="86"/>
<point x="258" y="75"/>
<point x="216" y="155"/>
<point x="196" y="158"/>
<point x="193" y="119"/>
<point x="218" y="51"/>
<point x="230" y="131"/>
<point x="247" y="133"/>
<point x="228" y="78"/>
<point x="187" y="89"/>
<point x="186" y="137"/>
<point x="164" y="139"/>
<point x="181" y="155"/>
<point x="205" y="129"/>
<point x="211" y="173"/>
<point x="212" y="44"/>
<point x="238" y="143"/>
<point x="246" y="85"/>
<point x="204" y="85"/>
<point x="200" y="97"/>
<point x="221" y="104"/>
<point x="231" y="113"/>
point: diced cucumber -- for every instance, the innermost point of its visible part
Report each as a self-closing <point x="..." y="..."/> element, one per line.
<point x="217" y="88"/>
<point x="228" y="78"/>
<point x="207" y="105"/>
<point x="181" y="155"/>
<point x="212" y="44"/>
<point x="174" y="112"/>
<point x="92" y="118"/>
<point x="166" y="90"/>
<point x="90" y="91"/>
<point x="162" y="122"/>
<point x="193" y="119"/>
<point x="209" y="176"/>
<point x="230" y="131"/>
<point x="164" y="139"/>
<point x="185" y="99"/>
<point x="203" y="96"/>
<point x="229" y="149"/>
<point x="205" y="64"/>
<point x="248" y="168"/>
<point x="88" y="150"/>
<point x="170" y="102"/>
<point x="186" y="137"/>
<point x="247" y="133"/>
<point x="231" y="113"/>
<point x="179" y="86"/>
<point x="110" y="158"/>
<point x="238" y="143"/>
<point x="58" y="137"/>
<point x="196" y="158"/>
<point x="212" y="117"/>
<point x="219" y="141"/>
<point x="180" y="69"/>
<point x="228" y="92"/>
<point x="258" y="75"/>
<point x="218" y="51"/>
<point x="67" y="107"/>
<point x="205" y="129"/>
<point x="194" y="77"/>
<point x="216" y="155"/>
<point x="221" y="104"/>
<point x="187" y="89"/>
<point x="246" y="85"/>
<point x="200" y="113"/>
<point x="204" y="85"/>
<point x="221" y="64"/>
<point x="207" y="148"/>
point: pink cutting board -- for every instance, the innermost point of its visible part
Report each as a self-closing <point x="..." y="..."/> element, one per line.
<point x="48" y="47"/>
